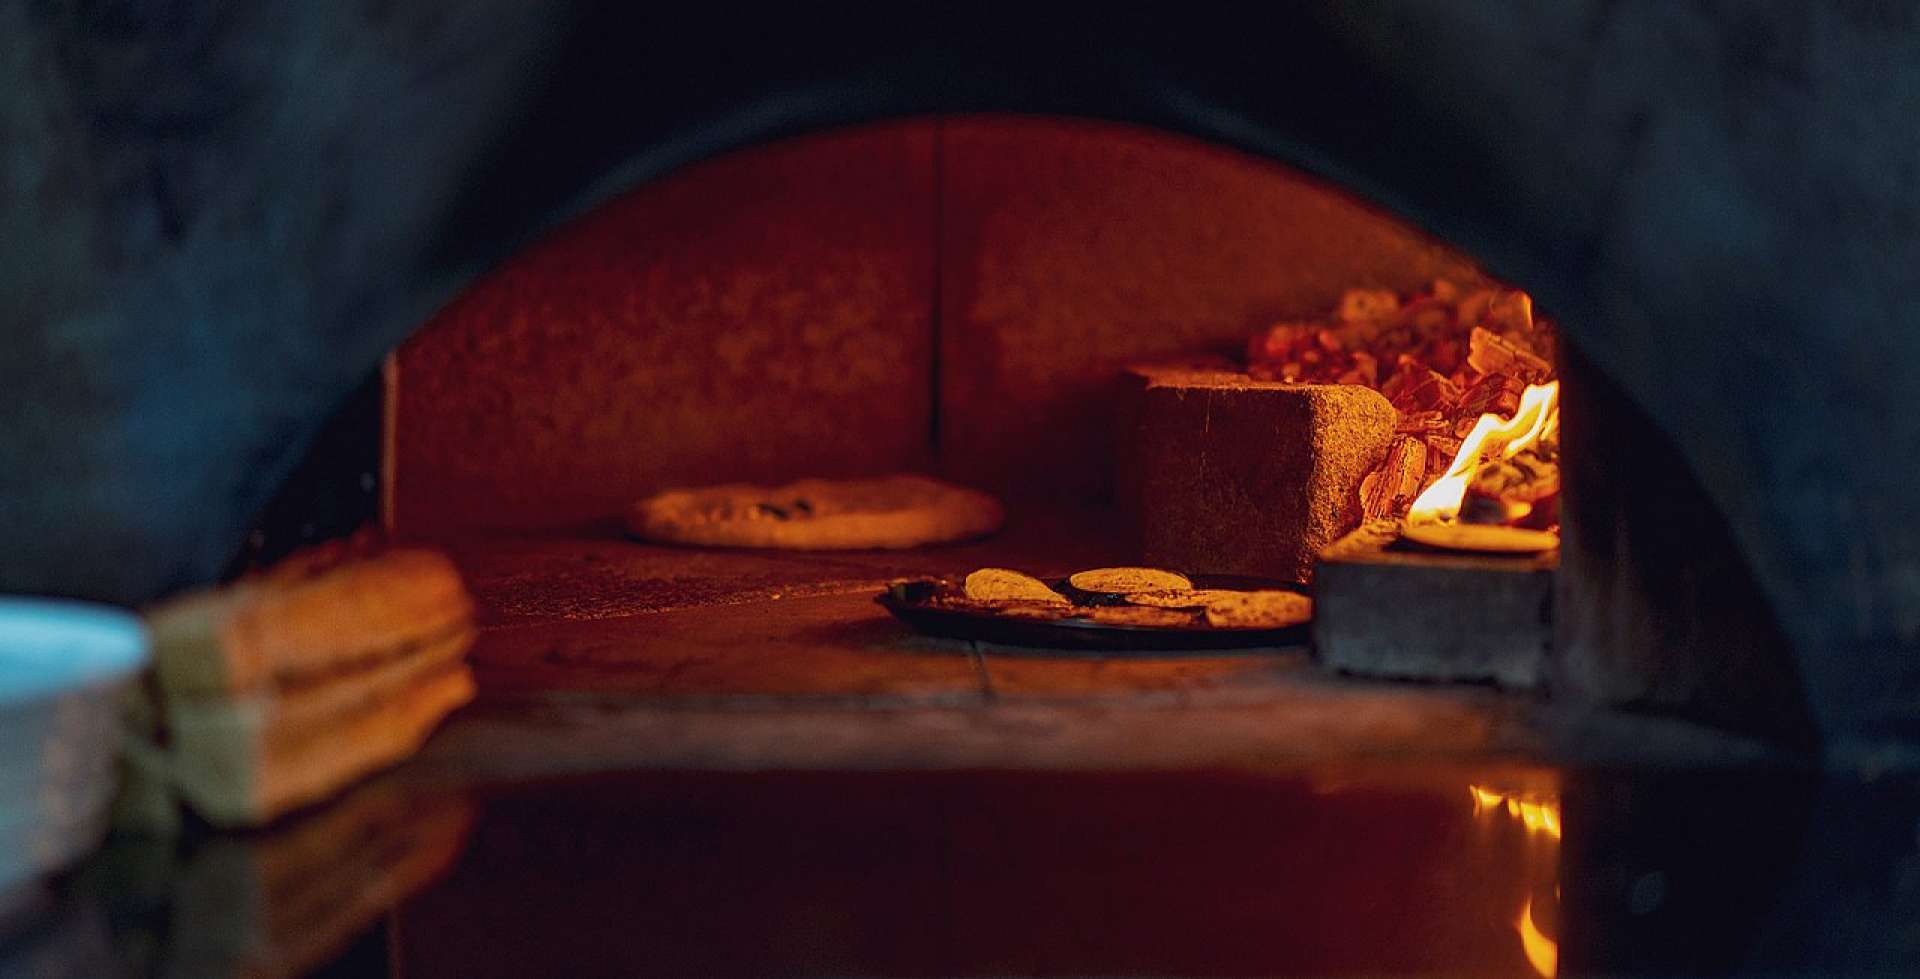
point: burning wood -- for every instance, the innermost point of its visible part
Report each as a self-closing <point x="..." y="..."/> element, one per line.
<point x="1522" y="491"/>
<point x="1493" y="440"/>
<point x="1419" y="389"/>
<point x="1463" y="366"/>
<point x="1389" y="490"/>
<point x="1490" y="353"/>
<point x="1423" y="423"/>
<point x="1493" y="394"/>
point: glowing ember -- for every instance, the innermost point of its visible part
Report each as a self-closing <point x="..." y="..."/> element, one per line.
<point x="1470" y="377"/>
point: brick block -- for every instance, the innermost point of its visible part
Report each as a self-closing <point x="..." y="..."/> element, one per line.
<point x="1070" y="249"/>
<point x="1237" y="476"/>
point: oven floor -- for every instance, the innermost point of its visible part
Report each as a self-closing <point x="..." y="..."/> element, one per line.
<point x="602" y="654"/>
<point x="688" y="763"/>
<point x="597" y="573"/>
<point x="1358" y="867"/>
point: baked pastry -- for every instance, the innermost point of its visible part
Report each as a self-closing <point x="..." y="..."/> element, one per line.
<point x="1179" y="597"/>
<point x="1127" y="581"/>
<point x="891" y="512"/>
<point x="1002" y="584"/>
<point x="281" y="689"/>
<point x="244" y="762"/>
<point x="1140" y="615"/>
<point x="285" y="626"/>
<point x="1258" y="610"/>
<point x="1020" y="609"/>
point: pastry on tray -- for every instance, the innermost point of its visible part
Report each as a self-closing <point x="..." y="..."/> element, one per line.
<point x="1149" y="598"/>
<point x="1001" y="584"/>
<point x="1127" y="581"/>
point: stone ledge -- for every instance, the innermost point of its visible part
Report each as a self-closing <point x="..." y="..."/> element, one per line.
<point x="1383" y="608"/>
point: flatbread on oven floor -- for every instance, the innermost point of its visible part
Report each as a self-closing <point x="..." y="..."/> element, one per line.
<point x="1259" y="610"/>
<point x="890" y="512"/>
<point x="1179" y="597"/>
<point x="1140" y="615"/>
<point x="1018" y="609"/>
<point x="1127" y="581"/>
<point x="1003" y="584"/>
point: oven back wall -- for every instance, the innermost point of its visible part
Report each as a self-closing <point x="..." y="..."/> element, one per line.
<point x="751" y="317"/>
<point x="1071" y="249"/>
<point x="954" y="293"/>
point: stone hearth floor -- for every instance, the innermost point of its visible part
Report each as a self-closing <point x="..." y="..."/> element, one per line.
<point x="698" y="763"/>
<point x="600" y="654"/>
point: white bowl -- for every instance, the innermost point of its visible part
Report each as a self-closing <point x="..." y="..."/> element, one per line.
<point x="64" y="667"/>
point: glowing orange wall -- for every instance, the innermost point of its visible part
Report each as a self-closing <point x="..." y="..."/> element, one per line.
<point x="952" y="293"/>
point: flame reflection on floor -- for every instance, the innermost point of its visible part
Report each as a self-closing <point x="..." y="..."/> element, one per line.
<point x="1539" y="814"/>
<point x="1543" y="953"/>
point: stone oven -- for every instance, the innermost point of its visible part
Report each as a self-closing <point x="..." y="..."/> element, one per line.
<point x="992" y="298"/>
<point x="1623" y="183"/>
<point x="481" y="276"/>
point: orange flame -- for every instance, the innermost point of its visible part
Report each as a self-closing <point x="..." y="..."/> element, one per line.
<point x="1485" y="799"/>
<point x="1536" y="816"/>
<point x="1540" y="815"/>
<point x="1491" y="437"/>
<point x="1543" y="953"/>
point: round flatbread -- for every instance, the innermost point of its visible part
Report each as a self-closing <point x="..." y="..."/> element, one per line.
<point x="1032" y="610"/>
<point x="1128" y="581"/>
<point x="892" y="512"/>
<point x="1179" y="597"/>
<point x="1013" y="608"/>
<point x="1002" y="584"/>
<point x="1259" y="610"/>
<point x="1139" y="615"/>
<point x="1482" y="538"/>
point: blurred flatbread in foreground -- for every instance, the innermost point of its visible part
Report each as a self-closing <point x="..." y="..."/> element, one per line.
<point x="281" y="689"/>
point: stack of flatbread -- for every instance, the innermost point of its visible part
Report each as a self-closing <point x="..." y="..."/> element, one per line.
<point x="280" y="690"/>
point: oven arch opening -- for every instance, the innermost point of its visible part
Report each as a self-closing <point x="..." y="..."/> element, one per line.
<point x="1754" y="290"/>
<point x="957" y="294"/>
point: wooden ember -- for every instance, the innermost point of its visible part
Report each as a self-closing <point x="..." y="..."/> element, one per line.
<point x="1442" y="357"/>
<point x="1523" y="491"/>
<point x="1490" y="353"/>
<point x="1388" y="490"/>
<point x="1236" y="476"/>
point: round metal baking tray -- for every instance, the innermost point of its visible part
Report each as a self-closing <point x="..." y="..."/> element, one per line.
<point x="912" y="602"/>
